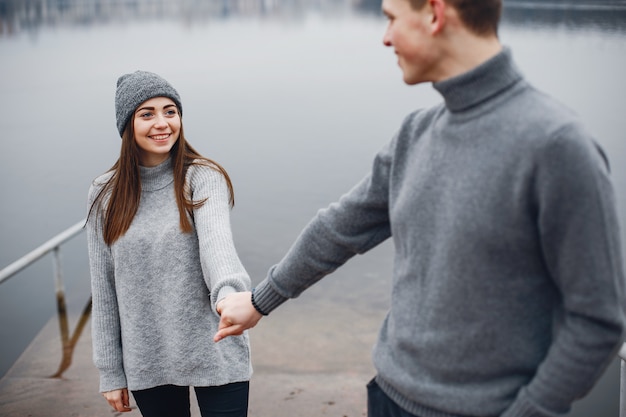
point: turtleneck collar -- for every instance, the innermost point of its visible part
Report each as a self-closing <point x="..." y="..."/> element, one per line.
<point x="155" y="178"/>
<point x="478" y="84"/>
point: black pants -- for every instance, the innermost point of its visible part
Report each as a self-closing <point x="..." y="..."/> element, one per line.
<point x="173" y="401"/>
<point x="380" y="405"/>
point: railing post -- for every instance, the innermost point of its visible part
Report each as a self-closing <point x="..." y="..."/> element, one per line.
<point x="60" y="296"/>
<point x="58" y="274"/>
<point x="67" y="343"/>
<point x="622" y="391"/>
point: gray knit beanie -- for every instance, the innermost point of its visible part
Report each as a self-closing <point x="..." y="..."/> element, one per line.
<point x="137" y="87"/>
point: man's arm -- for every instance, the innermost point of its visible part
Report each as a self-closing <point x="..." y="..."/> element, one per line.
<point x="578" y="225"/>
<point x="356" y="223"/>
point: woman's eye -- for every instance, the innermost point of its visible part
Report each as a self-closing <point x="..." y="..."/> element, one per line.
<point x="145" y="115"/>
<point x="171" y="112"/>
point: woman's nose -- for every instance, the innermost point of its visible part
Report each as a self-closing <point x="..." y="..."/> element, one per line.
<point x="160" y="121"/>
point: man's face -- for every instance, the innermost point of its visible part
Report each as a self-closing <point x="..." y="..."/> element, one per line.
<point x="409" y="32"/>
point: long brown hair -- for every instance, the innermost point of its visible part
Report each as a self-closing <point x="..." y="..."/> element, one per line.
<point x="123" y="189"/>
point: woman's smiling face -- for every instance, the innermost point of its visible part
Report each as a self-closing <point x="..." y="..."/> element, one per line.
<point x="156" y="124"/>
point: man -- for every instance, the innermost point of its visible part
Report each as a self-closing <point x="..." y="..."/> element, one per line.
<point x="507" y="276"/>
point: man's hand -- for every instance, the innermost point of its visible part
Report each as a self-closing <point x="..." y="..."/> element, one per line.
<point x="237" y="314"/>
<point x="118" y="399"/>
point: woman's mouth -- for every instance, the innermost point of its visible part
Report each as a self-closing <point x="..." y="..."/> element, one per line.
<point x="160" y="137"/>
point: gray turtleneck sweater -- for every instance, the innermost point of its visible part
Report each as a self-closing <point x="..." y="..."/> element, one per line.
<point x="154" y="290"/>
<point x="507" y="276"/>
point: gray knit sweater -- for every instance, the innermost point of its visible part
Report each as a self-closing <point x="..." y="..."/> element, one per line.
<point x="154" y="290"/>
<point x="507" y="277"/>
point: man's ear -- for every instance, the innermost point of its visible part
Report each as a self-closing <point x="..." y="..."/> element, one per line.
<point x="438" y="15"/>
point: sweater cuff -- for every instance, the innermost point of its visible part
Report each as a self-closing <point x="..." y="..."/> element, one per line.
<point x="224" y="291"/>
<point x="112" y="380"/>
<point x="221" y="294"/>
<point x="523" y="406"/>
<point x="266" y="298"/>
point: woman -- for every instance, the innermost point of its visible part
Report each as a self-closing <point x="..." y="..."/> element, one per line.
<point x="161" y="258"/>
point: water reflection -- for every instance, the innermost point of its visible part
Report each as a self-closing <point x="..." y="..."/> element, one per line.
<point x="597" y="15"/>
<point x="30" y="15"/>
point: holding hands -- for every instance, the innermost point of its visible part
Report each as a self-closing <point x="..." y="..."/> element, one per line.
<point x="237" y="314"/>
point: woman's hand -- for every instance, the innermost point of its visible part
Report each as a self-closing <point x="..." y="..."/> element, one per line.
<point x="236" y="315"/>
<point x="118" y="399"/>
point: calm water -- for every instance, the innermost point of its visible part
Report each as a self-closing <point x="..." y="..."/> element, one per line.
<point x="293" y="97"/>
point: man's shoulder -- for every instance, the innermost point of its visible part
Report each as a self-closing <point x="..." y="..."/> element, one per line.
<point x="538" y="107"/>
<point x="548" y="126"/>
<point x="424" y="113"/>
<point x="420" y="119"/>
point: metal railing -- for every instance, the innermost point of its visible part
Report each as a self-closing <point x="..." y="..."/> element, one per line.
<point x="54" y="245"/>
<point x="622" y="391"/>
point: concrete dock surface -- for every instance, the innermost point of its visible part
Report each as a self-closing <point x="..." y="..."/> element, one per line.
<point x="295" y="374"/>
<point x="309" y="360"/>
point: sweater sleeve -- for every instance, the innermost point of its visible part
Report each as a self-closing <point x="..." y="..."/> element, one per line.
<point x="579" y="232"/>
<point x="355" y="224"/>
<point x="105" y="320"/>
<point x="221" y="266"/>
